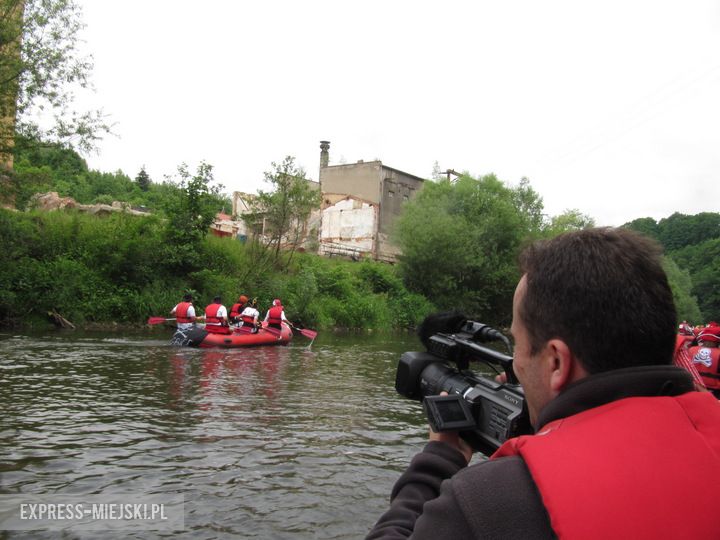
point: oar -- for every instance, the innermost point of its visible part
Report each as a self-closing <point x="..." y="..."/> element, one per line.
<point x="271" y="330"/>
<point x="158" y="320"/>
<point x="310" y="334"/>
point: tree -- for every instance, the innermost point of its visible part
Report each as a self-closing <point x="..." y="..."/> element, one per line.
<point x="647" y="226"/>
<point x="39" y="69"/>
<point x="190" y="215"/>
<point x="569" y="220"/>
<point x="702" y="261"/>
<point x="280" y="215"/>
<point x="436" y="172"/>
<point x="143" y="179"/>
<point x="685" y="303"/>
<point x="460" y="242"/>
<point x="681" y="230"/>
<point x="529" y="203"/>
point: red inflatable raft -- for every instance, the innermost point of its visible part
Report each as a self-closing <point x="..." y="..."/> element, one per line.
<point x="199" y="337"/>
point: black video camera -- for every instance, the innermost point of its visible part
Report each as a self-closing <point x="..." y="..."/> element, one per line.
<point x="484" y="411"/>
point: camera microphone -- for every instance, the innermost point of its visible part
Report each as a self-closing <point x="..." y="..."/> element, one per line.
<point x="482" y="332"/>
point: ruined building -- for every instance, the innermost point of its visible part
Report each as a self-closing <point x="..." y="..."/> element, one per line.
<point x="360" y="204"/>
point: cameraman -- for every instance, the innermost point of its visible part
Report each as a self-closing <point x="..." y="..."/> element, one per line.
<point x="623" y="447"/>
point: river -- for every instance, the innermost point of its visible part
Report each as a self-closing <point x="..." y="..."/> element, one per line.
<point x="270" y="442"/>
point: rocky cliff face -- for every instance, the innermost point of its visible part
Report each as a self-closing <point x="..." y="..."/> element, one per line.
<point x="52" y="201"/>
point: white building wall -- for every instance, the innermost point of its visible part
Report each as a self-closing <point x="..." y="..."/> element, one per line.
<point x="349" y="223"/>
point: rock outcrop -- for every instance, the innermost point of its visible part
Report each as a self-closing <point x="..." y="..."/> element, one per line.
<point x="52" y="201"/>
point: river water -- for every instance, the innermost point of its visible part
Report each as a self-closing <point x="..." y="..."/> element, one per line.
<point x="270" y="442"/>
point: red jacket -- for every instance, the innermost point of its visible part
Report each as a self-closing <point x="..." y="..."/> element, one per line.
<point x="181" y="312"/>
<point x="662" y="453"/>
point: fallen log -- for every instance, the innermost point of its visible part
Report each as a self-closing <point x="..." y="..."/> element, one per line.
<point x="60" y="321"/>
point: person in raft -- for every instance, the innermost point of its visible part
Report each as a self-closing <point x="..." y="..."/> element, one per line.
<point x="184" y="313"/>
<point x="706" y="357"/>
<point x="250" y="315"/>
<point x="216" y="318"/>
<point x="276" y="315"/>
<point x="624" y="447"/>
<point x="237" y="309"/>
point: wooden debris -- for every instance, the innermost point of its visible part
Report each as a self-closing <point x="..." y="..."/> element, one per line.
<point x="60" y="321"/>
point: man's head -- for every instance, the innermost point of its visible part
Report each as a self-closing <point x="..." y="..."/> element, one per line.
<point x="277" y="302"/>
<point x="187" y="297"/>
<point x="590" y="301"/>
<point x="217" y="300"/>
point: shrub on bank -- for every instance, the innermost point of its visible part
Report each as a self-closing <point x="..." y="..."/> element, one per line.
<point x="115" y="268"/>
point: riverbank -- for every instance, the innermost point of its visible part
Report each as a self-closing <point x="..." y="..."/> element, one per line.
<point x="117" y="270"/>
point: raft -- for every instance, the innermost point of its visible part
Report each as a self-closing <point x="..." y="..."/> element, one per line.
<point x="199" y="337"/>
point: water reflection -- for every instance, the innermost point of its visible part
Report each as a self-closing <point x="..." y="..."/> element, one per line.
<point x="276" y="442"/>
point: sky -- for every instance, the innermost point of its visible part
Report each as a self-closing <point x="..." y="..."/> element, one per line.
<point x="611" y="108"/>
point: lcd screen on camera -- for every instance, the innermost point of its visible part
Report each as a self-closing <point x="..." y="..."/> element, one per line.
<point x="448" y="413"/>
<point x="451" y="411"/>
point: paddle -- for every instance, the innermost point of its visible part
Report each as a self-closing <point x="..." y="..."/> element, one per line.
<point x="158" y="320"/>
<point x="271" y="330"/>
<point x="310" y="334"/>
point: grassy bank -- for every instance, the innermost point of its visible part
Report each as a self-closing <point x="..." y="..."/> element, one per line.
<point x="120" y="268"/>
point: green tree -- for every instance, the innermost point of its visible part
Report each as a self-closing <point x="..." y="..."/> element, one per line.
<point x="702" y="261"/>
<point x="190" y="215"/>
<point x="279" y="216"/>
<point x="40" y="68"/>
<point x="460" y="242"/>
<point x="647" y="225"/>
<point x="143" y="179"/>
<point x="569" y="220"/>
<point x="686" y="303"/>
<point x="529" y="204"/>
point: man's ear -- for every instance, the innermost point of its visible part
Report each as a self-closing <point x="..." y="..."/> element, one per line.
<point x="564" y="367"/>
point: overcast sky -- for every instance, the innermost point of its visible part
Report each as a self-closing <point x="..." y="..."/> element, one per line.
<point x="611" y="108"/>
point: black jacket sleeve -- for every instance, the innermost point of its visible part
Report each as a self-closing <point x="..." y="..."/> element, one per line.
<point x="491" y="499"/>
<point x="417" y="485"/>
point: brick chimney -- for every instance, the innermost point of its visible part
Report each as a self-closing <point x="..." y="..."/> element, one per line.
<point x="324" y="154"/>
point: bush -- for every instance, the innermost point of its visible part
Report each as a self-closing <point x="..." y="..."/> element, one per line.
<point x="115" y="269"/>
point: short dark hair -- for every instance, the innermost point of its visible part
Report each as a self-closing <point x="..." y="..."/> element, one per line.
<point x="217" y="299"/>
<point x="604" y="292"/>
<point x="188" y="297"/>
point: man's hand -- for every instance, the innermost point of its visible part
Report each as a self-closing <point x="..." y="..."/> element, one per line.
<point x="453" y="439"/>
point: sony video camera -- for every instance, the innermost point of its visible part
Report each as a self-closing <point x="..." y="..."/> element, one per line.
<point x="484" y="411"/>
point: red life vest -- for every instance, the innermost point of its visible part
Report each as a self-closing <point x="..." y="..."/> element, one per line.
<point x="707" y="362"/>
<point x="235" y="310"/>
<point x="248" y="320"/>
<point x="275" y="316"/>
<point x="683" y="359"/>
<point x="213" y="323"/>
<point x="640" y="468"/>
<point x="181" y="312"/>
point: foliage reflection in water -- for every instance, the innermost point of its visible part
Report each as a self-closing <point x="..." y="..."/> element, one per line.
<point x="273" y="442"/>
